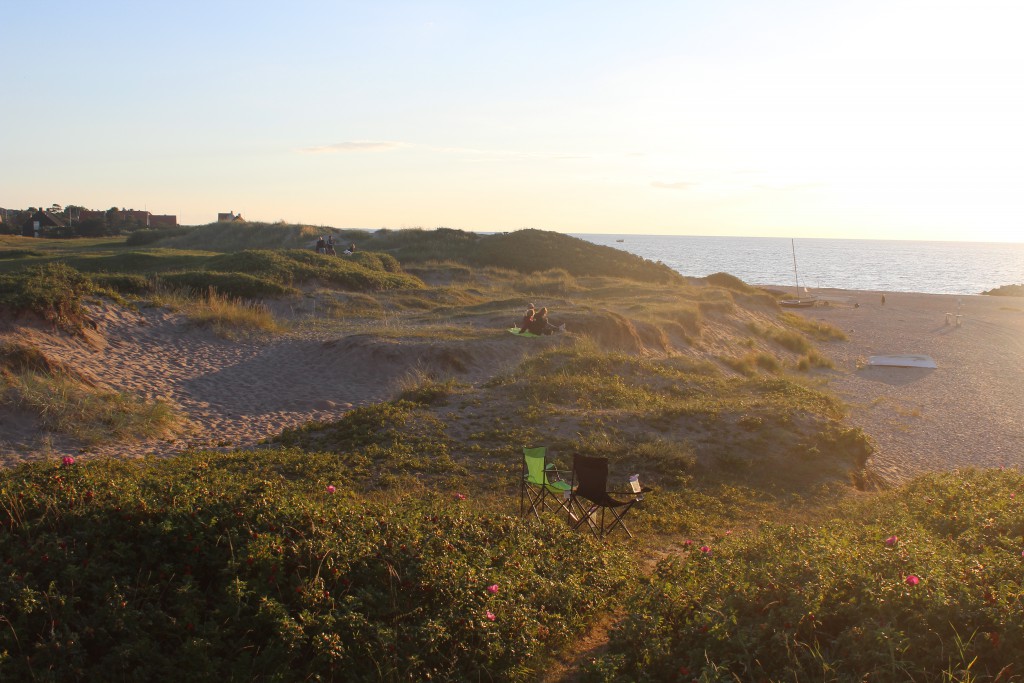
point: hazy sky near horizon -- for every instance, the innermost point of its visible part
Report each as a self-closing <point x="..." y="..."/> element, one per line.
<point x="893" y="119"/>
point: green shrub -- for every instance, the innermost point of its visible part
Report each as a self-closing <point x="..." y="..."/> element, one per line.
<point x="142" y="237"/>
<point x="234" y="284"/>
<point x="123" y="283"/>
<point x="53" y="291"/>
<point x="296" y="266"/>
<point x="797" y="602"/>
<point x="246" y="567"/>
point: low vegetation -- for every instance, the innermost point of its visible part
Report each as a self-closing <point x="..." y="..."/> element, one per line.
<point x="69" y="403"/>
<point x="229" y="317"/>
<point x="52" y="291"/>
<point x="384" y="545"/>
<point x="246" y="567"/>
<point x="1006" y="290"/>
<point x="922" y="583"/>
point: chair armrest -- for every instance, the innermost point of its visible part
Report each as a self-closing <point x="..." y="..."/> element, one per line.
<point x="631" y="492"/>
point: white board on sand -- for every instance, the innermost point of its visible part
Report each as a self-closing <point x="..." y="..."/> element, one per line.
<point x="911" y="360"/>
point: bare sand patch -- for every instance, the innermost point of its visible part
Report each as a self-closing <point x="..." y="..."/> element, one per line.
<point x="234" y="393"/>
<point x="968" y="412"/>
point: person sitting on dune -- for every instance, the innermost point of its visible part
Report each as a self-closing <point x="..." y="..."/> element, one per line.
<point x="540" y="324"/>
<point x="527" y="320"/>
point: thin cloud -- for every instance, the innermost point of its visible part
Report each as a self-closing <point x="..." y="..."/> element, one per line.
<point x="788" y="187"/>
<point x="684" y="185"/>
<point x="354" y="146"/>
<point x="387" y="145"/>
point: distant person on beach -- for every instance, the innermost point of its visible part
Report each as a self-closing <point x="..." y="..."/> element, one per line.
<point x="321" y="246"/>
<point x="883" y="299"/>
<point x="540" y="324"/>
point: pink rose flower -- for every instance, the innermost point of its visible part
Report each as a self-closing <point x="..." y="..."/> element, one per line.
<point x="331" y="489"/>
<point x="490" y="615"/>
<point x="68" y="460"/>
<point x="492" y="589"/>
<point x="705" y="549"/>
<point x="913" y="580"/>
<point x="460" y="496"/>
<point x="891" y="541"/>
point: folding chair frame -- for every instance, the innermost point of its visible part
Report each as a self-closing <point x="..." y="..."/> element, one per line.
<point x="537" y="490"/>
<point x="584" y="510"/>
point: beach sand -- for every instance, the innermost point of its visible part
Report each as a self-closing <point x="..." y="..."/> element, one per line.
<point x="969" y="411"/>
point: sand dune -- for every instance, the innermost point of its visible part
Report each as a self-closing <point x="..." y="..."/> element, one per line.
<point x="969" y="411"/>
<point x="236" y="393"/>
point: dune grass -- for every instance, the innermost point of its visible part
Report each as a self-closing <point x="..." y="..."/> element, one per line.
<point x="67" y="405"/>
<point x="817" y="329"/>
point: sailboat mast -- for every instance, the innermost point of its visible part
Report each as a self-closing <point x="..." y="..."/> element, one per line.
<point x="792" y="243"/>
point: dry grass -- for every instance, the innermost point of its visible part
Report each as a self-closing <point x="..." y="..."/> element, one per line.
<point x="818" y="329"/>
<point x="93" y="415"/>
<point x="228" y="317"/>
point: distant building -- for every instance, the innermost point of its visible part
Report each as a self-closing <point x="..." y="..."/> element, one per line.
<point x="163" y="221"/>
<point x="230" y="217"/>
<point x="129" y="217"/>
<point x="44" y="224"/>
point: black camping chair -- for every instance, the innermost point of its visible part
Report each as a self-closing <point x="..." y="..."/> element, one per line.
<point x="590" y="499"/>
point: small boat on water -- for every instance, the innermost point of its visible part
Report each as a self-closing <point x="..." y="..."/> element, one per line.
<point x="799" y="301"/>
<point x="620" y="240"/>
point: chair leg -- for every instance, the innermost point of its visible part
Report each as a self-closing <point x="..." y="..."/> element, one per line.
<point x="586" y="514"/>
<point x="535" y="501"/>
<point x="618" y="520"/>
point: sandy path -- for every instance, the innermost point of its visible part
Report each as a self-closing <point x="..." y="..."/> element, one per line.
<point x="970" y="411"/>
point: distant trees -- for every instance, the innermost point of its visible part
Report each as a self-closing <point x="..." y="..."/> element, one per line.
<point x="93" y="227"/>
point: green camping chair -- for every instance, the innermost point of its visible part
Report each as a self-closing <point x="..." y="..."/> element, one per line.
<point x="541" y="488"/>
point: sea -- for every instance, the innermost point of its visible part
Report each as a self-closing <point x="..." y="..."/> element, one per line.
<point x="874" y="265"/>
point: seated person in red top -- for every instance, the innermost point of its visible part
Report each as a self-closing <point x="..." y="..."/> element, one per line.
<point x="527" y="320"/>
<point x="540" y="324"/>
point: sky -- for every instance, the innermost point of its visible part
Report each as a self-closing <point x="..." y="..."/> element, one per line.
<point x="895" y="119"/>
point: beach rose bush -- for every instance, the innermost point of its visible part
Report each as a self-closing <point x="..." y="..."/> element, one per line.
<point x="940" y="599"/>
<point x="239" y="567"/>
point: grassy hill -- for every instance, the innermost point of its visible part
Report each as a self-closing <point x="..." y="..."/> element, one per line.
<point x="523" y="251"/>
